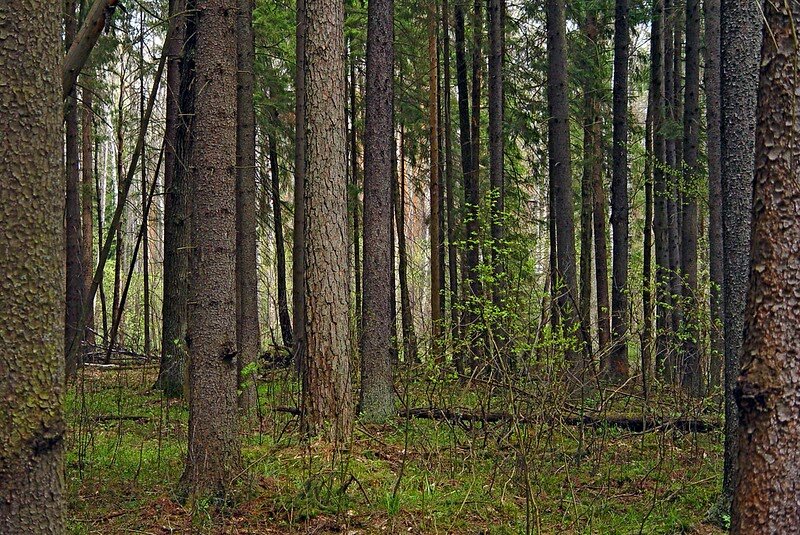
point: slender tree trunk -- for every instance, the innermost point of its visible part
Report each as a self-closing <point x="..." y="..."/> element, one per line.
<point x="740" y="44"/>
<point x="765" y="499"/>
<point x="672" y="59"/>
<point x="298" y="229"/>
<point x="143" y="174"/>
<point x="87" y="196"/>
<point x="177" y="228"/>
<point x="712" y="74"/>
<point x="354" y="193"/>
<point x="561" y="175"/>
<point x="647" y="276"/>
<point x="587" y="205"/>
<point x="452" y="250"/>
<point x="618" y="357"/>
<point x="284" y="318"/>
<point x="32" y="296"/>
<point x="119" y="253"/>
<point x="248" y="333"/>
<point x="601" y="244"/>
<point x="407" y="320"/>
<point x="377" y="392"/>
<point x="435" y="186"/>
<point x="213" y="458"/>
<point x="74" y="295"/>
<point x="326" y="385"/>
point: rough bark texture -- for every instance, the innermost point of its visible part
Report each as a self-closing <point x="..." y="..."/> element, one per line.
<point x="435" y="185"/>
<point x="740" y="45"/>
<point x="377" y="393"/>
<point x="31" y="270"/>
<point x="327" y="408"/>
<point x="284" y="318"/>
<point x="74" y="299"/>
<point x="691" y="374"/>
<point x="497" y="194"/>
<point x="177" y="147"/>
<point x="711" y="80"/>
<point x="213" y="457"/>
<point x="767" y="495"/>
<point x="298" y="228"/>
<point x="248" y="333"/>
<point x="560" y="170"/>
<point x="618" y="358"/>
<point x="87" y="223"/>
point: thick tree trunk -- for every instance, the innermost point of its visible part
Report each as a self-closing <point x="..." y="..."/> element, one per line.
<point x="691" y="374"/>
<point x="618" y="357"/>
<point x="298" y="228"/>
<point x="87" y="223"/>
<point x="712" y="74"/>
<point x="284" y="318"/>
<point x="740" y="45"/>
<point x="177" y="228"/>
<point x="326" y="386"/>
<point x="561" y="175"/>
<point x="248" y="333"/>
<point x="75" y="291"/>
<point x="32" y="288"/>
<point x="435" y="186"/>
<point x="213" y="458"/>
<point x="766" y="495"/>
<point x="377" y="392"/>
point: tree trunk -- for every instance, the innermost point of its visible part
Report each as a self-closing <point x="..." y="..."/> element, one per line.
<point x="712" y="73"/>
<point x="740" y="44"/>
<point x="143" y="174"/>
<point x="284" y="318"/>
<point x="618" y="357"/>
<point x="326" y="385"/>
<point x="587" y="205"/>
<point x="377" y="393"/>
<point x="672" y="61"/>
<point x="177" y="228"/>
<point x="119" y="250"/>
<point x="647" y="275"/>
<point x="435" y="187"/>
<point x="691" y="374"/>
<point x="354" y="192"/>
<point x="496" y="148"/>
<point x="87" y="196"/>
<point x="213" y="458"/>
<point x="248" y="334"/>
<point x="32" y="295"/>
<point x="452" y="250"/>
<point x="75" y="291"/>
<point x="561" y="175"/>
<point x="765" y="499"/>
<point x="407" y="320"/>
<point x="298" y="228"/>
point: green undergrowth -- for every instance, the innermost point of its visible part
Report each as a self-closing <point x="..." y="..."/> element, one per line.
<point x="127" y="446"/>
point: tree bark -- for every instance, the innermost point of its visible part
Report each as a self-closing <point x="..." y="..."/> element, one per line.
<point x="496" y="150"/>
<point x="98" y="18"/>
<point x="435" y="186"/>
<point x="32" y="287"/>
<point x="452" y="248"/>
<point x="213" y="458"/>
<point x="353" y="193"/>
<point x="740" y="44"/>
<point x="377" y="392"/>
<point x="618" y="357"/>
<point x="177" y="228"/>
<point x="87" y="196"/>
<point x="766" y="495"/>
<point x="647" y="275"/>
<point x="712" y="74"/>
<point x="248" y="334"/>
<point x="407" y="319"/>
<point x="561" y="175"/>
<point x="298" y="228"/>
<point x="327" y="408"/>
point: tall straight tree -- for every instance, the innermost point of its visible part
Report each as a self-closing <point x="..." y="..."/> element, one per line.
<point x="298" y="229"/>
<point x="247" y="329"/>
<point x="179" y="118"/>
<point x="32" y="287"/>
<point x="560" y="171"/>
<point x="213" y="458"/>
<point x="435" y="184"/>
<point x="497" y="194"/>
<point x="766" y="495"/>
<point x="326" y="403"/>
<point x="740" y="41"/>
<point x="691" y="374"/>
<point x="377" y="393"/>
<point x="74" y="274"/>
<point x="452" y="249"/>
<point x="618" y="358"/>
<point x="711" y="73"/>
<point x="87" y="197"/>
<point x="406" y="319"/>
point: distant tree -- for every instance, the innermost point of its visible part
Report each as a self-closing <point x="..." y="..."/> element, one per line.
<point x="768" y="483"/>
<point x="213" y="457"/>
<point x="327" y="408"/>
<point x="740" y="45"/>
<point x="377" y="392"/>
<point x="32" y="266"/>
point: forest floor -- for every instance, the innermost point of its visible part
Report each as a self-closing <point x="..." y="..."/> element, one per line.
<point x="127" y="446"/>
